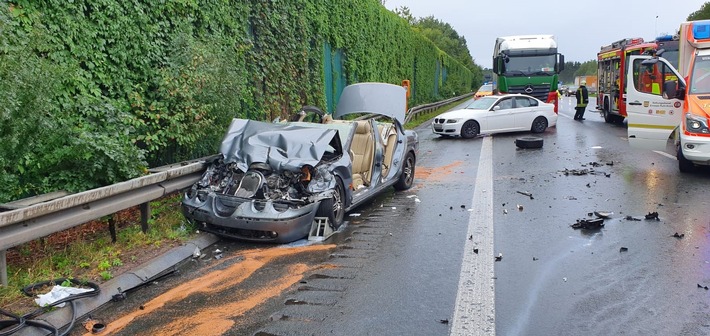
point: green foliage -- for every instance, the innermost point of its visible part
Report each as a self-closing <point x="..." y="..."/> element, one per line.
<point x="587" y="68"/>
<point x="701" y="14"/>
<point x="94" y="91"/>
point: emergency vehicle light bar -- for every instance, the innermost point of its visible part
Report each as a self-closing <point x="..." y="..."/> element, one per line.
<point x="701" y="30"/>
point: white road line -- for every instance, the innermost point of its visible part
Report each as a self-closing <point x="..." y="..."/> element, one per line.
<point x="474" y="313"/>
<point x="666" y="155"/>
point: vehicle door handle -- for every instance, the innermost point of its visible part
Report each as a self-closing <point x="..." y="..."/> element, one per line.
<point x="634" y="103"/>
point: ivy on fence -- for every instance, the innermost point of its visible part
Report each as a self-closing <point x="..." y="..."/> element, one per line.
<point x="95" y="91"/>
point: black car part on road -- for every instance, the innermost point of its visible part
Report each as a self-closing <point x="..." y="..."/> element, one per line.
<point x="529" y="142"/>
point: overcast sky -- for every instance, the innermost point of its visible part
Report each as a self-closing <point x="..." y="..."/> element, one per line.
<point x="580" y="27"/>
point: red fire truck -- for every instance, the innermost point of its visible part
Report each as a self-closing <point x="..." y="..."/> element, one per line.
<point x="612" y="62"/>
<point x="611" y="72"/>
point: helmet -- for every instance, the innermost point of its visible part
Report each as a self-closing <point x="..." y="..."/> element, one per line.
<point x="584" y="82"/>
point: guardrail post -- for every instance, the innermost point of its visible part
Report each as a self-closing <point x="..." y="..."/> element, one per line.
<point x="145" y="215"/>
<point x="112" y="228"/>
<point x="3" y="267"/>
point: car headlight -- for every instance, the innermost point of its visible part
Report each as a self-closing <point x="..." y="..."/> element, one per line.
<point x="695" y="124"/>
<point x="452" y="121"/>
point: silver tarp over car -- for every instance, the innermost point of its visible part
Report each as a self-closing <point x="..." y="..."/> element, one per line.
<point x="282" y="146"/>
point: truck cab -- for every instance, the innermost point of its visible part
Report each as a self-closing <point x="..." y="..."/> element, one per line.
<point x="527" y="64"/>
<point x="664" y="101"/>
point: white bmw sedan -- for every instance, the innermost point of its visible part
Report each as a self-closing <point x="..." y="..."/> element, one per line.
<point x="496" y="114"/>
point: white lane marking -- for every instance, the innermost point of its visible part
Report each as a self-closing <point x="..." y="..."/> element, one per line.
<point x="666" y="155"/>
<point x="474" y="313"/>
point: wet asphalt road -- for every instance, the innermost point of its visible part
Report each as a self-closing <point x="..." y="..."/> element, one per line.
<point x="395" y="268"/>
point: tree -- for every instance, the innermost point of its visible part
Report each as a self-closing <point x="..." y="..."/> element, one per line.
<point x="405" y="13"/>
<point x="447" y="39"/>
<point x="700" y="14"/>
<point x="587" y="68"/>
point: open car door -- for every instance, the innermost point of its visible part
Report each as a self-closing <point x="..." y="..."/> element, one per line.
<point x="652" y="115"/>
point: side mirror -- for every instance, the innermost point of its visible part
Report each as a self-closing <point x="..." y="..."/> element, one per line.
<point x="673" y="90"/>
<point x="561" y="63"/>
<point x="650" y="61"/>
<point x="496" y="108"/>
<point x="495" y="65"/>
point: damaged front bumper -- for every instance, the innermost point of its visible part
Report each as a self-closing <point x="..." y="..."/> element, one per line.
<point x="250" y="219"/>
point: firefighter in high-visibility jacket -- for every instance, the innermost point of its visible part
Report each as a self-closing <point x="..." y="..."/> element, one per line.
<point x="582" y="96"/>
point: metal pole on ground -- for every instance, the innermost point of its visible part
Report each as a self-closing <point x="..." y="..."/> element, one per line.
<point x="3" y="267"/>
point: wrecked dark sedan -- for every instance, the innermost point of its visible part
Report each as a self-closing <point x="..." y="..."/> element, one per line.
<point x="273" y="180"/>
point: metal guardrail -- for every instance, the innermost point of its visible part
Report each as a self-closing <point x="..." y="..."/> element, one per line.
<point x="28" y="221"/>
<point x="421" y="109"/>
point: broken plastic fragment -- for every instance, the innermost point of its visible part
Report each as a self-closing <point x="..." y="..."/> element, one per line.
<point x="652" y="215"/>
<point x="196" y="253"/>
<point x="354" y="215"/>
<point x="631" y="218"/>
<point x="589" y="224"/>
<point x="499" y="257"/>
<point x="520" y="207"/>
<point x="623" y="249"/>
<point x="603" y="214"/>
<point x="676" y="235"/>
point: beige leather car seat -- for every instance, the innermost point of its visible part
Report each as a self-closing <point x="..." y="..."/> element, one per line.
<point x="363" y="150"/>
<point x="389" y="137"/>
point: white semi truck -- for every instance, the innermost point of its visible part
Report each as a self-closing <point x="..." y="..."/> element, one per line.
<point x="528" y="64"/>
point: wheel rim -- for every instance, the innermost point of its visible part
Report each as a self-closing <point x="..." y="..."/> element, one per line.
<point x="469" y="129"/>
<point x="408" y="170"/>
<point x="539" y="125"/>
<point x="338" y="203"/>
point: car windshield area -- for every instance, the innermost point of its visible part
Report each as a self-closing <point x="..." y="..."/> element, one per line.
<point x="483" y="103"/>
<point x="700" y="77"/>
<point x="530" y="65"/>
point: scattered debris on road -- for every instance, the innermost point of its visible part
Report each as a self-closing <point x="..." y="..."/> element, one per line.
<point x="623" y="249"/>
<point x="528" y="194"/>
<point x="535" y="259"/>
<point x="475" y="251"/>
<point x="652" y="215"/>
<point x="632" y="218"/>
<point x="589" y="224"/>
<point x="520" y="207"/>
<point x="505" y="212"/>
<point x="603" y="214"/>
<point x="196" y="254"/>
<point x="703" y="287"/>
<point x="499" y="257"/>
<point x="676" y="235"/>
<point x="444" y="321"/>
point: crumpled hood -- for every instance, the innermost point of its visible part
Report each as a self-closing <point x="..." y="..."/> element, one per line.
<point x="282" y="146"/>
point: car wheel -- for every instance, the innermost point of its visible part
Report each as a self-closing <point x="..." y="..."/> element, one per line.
<point x="333" y="208"/>
<point x="539" y="125"/>
<point x="470" y="129"/>
<point x="529" y="142"/>
<point x="684" y="165"/>
<point x="406" y="179"/>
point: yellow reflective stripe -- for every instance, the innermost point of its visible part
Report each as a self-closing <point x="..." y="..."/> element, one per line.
<point x="665" y="127"/>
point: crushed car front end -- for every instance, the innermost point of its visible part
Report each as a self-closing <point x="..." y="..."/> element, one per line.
<point x="268" y="184"/>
